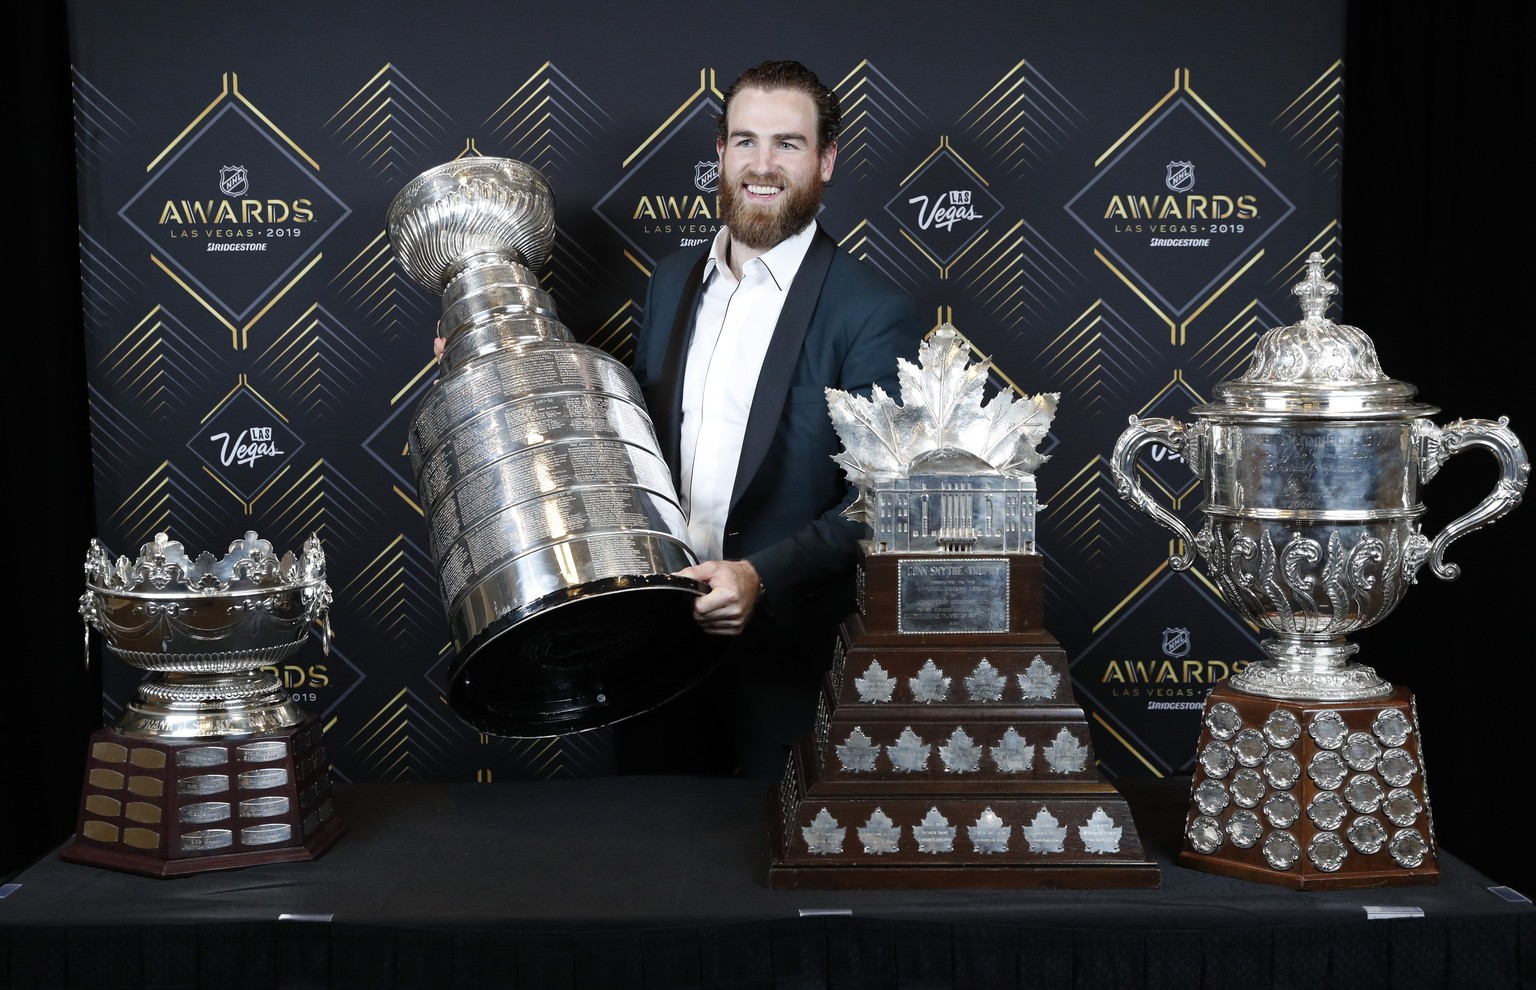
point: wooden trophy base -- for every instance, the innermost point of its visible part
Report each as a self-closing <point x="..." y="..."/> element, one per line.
<point x="171" y="807"/>
<point x="950" y="759"/>
<point x="1315" y="795"/>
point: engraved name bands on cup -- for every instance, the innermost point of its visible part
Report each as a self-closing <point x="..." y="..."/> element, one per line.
<point x="265" y="835"/>
<point x="205" y="783"/>
<point x="264" y="807"/>
<point x="952" y="596"/>
<point x="494" y="383"/>
<point x="551" y="468"/>
<point x="208" y="838"/>
<point x="262" y="752"/>
<point x="565" y="514"/>
<point x="202" y="756"/>
<point x="204" y="812"/>
<point x="528" y="423"/>
<point x="257" y="779"/>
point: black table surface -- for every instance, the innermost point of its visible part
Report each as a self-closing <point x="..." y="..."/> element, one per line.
<point x="634" y="857"/>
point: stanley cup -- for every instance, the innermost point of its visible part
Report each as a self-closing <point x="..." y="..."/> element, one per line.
<point x="1312" y="462"/>
<point x="553" y="522"/>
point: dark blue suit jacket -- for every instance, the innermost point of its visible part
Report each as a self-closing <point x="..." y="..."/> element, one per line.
<point x="843" y="326"/>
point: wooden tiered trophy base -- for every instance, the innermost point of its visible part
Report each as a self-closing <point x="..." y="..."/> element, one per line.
<point x="950" y="759"/>
<point x="1310" y="794"/>
<point x="169" y="807"/>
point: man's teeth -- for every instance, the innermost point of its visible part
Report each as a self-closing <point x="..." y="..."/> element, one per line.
<point x="762" y="190"/>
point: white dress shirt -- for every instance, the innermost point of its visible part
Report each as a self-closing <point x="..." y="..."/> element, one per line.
<point x="730" y="338"/>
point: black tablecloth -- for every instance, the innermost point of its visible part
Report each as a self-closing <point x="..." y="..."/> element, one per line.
<point x="663" y="882"/>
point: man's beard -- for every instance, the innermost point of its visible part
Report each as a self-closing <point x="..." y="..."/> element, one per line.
<point x="761" y="227"/>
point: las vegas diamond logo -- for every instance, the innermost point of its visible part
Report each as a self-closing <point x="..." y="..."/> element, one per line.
<point x="944" y="206"/>
<point x="1180" y="207"/>
<point x="244" y="444"/>
<point x="235" y="211"/>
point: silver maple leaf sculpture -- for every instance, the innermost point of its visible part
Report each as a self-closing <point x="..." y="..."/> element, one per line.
<point x="943" y="411"/>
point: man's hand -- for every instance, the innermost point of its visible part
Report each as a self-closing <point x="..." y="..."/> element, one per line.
<point x="733" y="591"/>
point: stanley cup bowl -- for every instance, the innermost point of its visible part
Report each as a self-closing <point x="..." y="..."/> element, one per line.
<point x="206" y="627"/>
<point x="1312" y="462"/>
<point x="471" y="208"/>
<point x="554" y="526"/>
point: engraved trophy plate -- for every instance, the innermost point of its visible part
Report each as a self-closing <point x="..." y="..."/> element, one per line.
<point x="948" y="750"/>
<point x="963" y="596"/>
<point x="553" y="522"/>
<point x="208" y="629"/>
<point x="1312" y="463"/>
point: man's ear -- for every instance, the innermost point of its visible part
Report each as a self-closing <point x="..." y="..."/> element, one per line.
<point x="828" y="159"/>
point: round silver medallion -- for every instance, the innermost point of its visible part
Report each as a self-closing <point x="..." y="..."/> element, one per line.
<point x="1408" y="849"/>
<point x="1326" y="810"/>
<point x="1327" y="770"/>
<point x="1327" y="851"/>
<point x="1281" y="769"/>
<point x="1364" y="793"/>
<point x="1281" y="850"/>
<point x="1282" y="809"/>
<point x="1247" y="788"/>
<point x="1216" y="759"/>
<point x="1249" y="747"/>
<point x="1328" y="730"/>
<point x="1397" y="767"/>
<point x="1223" y="720"/>
<point x="1204" y="834"/>
<point x="1391" y="727"/>
<point x="1211" y="797"/>
<point x="1367" y="835"/>
<point x="1281" y="728"/>
<point x="1361" y="751"/>
<point x="1402" y="807"/>
<point x="1244" y="829"/>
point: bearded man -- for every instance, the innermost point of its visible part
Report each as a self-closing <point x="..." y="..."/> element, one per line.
<point x="741" y="338"/>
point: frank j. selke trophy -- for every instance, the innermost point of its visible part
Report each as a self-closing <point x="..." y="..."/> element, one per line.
<point x="1309" y="771"/>
<point x="948" y="750"/>
<point x="553" y="522"/>
<point x="212" y="766"/>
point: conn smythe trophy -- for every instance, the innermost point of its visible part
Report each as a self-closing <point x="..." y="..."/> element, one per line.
<point x="1309" y="771"/>
<point x="948" y="750"/>
<point x="212" y="766"/>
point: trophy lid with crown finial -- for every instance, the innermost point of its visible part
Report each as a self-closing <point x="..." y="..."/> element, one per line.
<point x="1315" y="368"/>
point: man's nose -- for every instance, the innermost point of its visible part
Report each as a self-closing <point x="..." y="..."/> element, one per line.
<point x="764" y="159"/>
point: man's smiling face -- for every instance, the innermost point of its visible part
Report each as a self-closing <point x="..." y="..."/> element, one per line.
<point x="771" y="173"/>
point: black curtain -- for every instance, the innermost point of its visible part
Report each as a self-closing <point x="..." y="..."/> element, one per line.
<point x="1433" y="249"/>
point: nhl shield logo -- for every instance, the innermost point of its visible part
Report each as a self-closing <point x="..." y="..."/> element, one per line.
<point x="233" y="180"/>
<point x="706" y="176"/>
<point x="1176" y="643"/>
<point x="1180" y="177"/>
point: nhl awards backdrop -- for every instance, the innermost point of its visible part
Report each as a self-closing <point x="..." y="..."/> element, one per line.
<point x="1107" y="200"/>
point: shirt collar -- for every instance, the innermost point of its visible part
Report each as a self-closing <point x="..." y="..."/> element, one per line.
<point x="782" y="260"/>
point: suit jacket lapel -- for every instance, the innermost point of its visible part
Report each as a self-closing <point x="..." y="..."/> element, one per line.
<point x="667" y="416"/>
<point x="783" y="354"/>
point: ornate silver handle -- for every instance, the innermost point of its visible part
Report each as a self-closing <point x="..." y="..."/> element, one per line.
<point x="1439" y="445"/>
<point x="1141" y="433"/>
